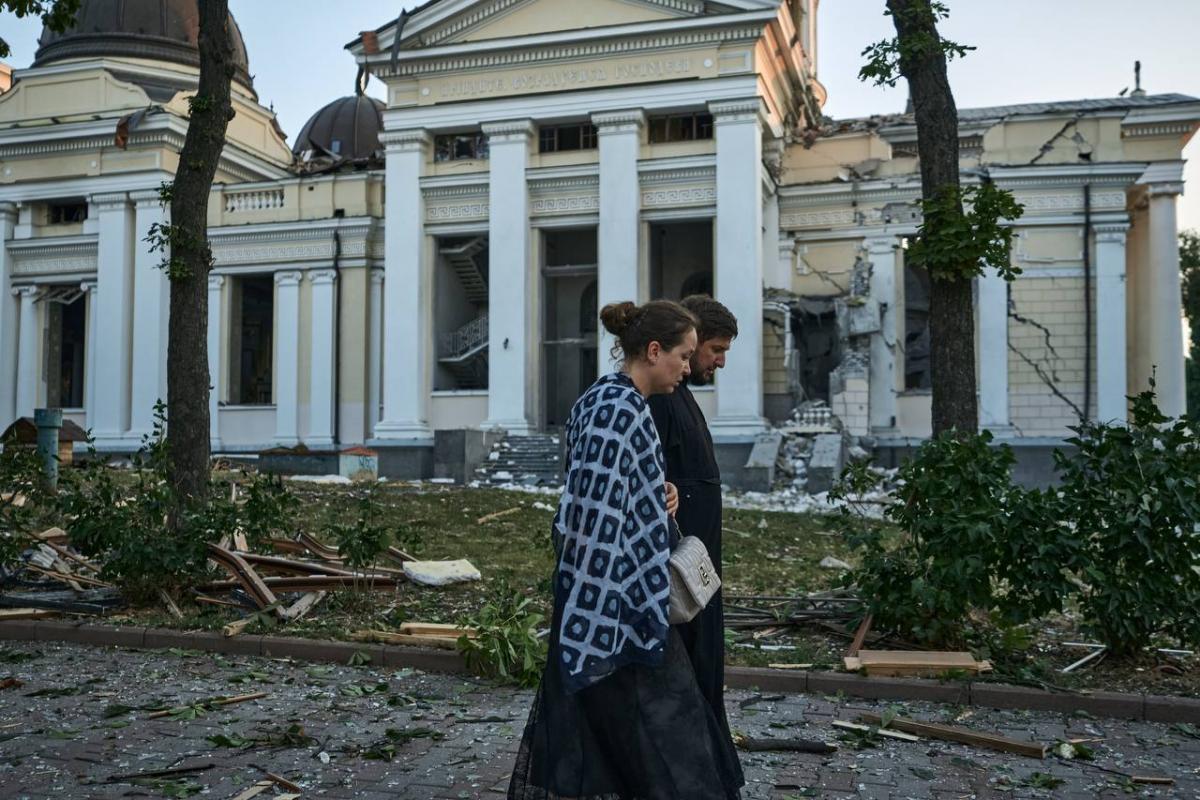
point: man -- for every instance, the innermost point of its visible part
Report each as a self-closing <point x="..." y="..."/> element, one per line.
<point x="692" y="468"/>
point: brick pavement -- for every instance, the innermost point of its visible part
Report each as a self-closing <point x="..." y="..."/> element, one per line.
<point x="65" y="746"/>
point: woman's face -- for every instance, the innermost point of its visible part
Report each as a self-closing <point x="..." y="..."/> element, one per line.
<point x="668" y="368"/>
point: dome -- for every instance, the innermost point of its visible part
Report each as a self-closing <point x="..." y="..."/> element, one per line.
<point x="159" y="30"/>
<point x="345" y="131"/>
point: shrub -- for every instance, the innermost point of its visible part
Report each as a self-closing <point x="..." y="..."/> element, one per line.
<point x="507" y="647"/>
<point x="23" y="501"/>
<point x="969" y="541"/>
<point x="1132" y="492"/>
<point x="362" y="542"/>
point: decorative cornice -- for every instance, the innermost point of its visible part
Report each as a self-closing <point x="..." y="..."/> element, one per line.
<point x="29" y="292"/>
<point x="455" y="192"/>
<point x="273" y="246"/>
<point x="1164" y="189"/>
<point x="455" y="213"/>
<point x="406" y="141"/>
<point x="42" y="257"/>
<point x="689" y="196"/>
<point x="565" y="205"/>
<point x="90" y="143"/>
<point x="111" y="202"/>
<point x="516" y="130"/>
<point x="682" y="175"/>
<point x="146" y="198"/>
<point x="577" y="183"/>
<point x="288" y="278"/>
<point x="465" y="21"/>
<point x="1114" y="233"/>
<point x="1134" y="131"/>
<point x="656" y="42"/>
<point x="749" y="109"/>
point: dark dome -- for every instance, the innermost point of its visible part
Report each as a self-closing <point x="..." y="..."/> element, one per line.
<point x="160" y="30"/>
<point x="346" y="130"/>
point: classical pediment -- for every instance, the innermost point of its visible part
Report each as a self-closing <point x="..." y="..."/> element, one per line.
<point x="449" y="22"/>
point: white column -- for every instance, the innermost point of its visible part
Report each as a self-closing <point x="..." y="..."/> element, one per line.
<point x="29" y="343"/>
<point x="9" y="315"/>
<point x="620" y="135"/>
<point x="739" y="267"/>
<point x="90" y="345"/>
<point x="1111" y="373"/>
<point x="881" y="254"/>
<point x="323" y="366"/>
<point x="407" y="294"/>
<point x="114" y="319"/>
<point x="151" y="306"/>
<point x="510" y="275"/>
<point x="1163" y="300"/>
<point x="287" y="358"/>
<point x="993" y="352"/>
<point x="216" y="335"/>
<point x="374" y="349"/>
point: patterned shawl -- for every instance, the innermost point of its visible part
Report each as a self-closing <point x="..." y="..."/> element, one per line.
<point x="611" y="536"/>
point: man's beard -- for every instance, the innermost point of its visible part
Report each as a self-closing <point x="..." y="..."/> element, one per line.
<point x="699" y="378"/>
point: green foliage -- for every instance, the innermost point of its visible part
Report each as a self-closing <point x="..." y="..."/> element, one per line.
<point x="362" y="542"/>
<point x="124" y="522"/>
<point x="1189" y="271"/>
<point x="507" y="647"/>
<point x="888" y="60"/>
<point x="970" y="542"/>
<point x="269" y="512"/>
<point x="23" y="499"/>
<point x="57" y="15"/>
<point x="965" y="230"/>
<point x="1133" y="494"/>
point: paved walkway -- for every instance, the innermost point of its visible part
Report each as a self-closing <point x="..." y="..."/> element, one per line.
<point x="454" y="738"/>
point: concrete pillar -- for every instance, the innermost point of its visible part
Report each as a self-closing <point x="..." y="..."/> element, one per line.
<point x="29" y="344"/>
<point x="151" y="307"/>
<point x="216" y="336"/>
<point x="114" y="320"/>
<point x="881" y="405"/>
<point x="1164" y="301"/>
<point x="90" y="346"/>
<point x="323" y="366"/>
<point x="992" y="299"/>
<point x="287" y="358"/>
<point x="620" y="278"/>
<point x="1111" y="365"/>
<point x="739" y="264"/>
<point x="374" y="350"/>
<point x="407" y="294"/>
<point x="511" y="360"/>
<point x="9" y="315"/>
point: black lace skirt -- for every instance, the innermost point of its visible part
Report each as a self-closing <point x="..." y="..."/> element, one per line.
<point x="642" y="733"/>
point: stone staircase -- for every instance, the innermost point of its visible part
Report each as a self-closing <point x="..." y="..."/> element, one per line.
<point x="533" y="460"/>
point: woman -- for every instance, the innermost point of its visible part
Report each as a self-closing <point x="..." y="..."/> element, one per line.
<point x="619" y="715"/>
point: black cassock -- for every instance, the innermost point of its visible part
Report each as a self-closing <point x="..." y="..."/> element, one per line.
<point x="692" y="467"/>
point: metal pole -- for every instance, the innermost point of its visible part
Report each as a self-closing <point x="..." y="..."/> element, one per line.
<point x="48" y="421"/>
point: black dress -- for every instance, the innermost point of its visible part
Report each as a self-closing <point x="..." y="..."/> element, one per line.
<point x="692" y="467"/>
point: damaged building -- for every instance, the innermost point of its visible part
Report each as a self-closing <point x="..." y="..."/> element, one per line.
<point x="422" y="274"/>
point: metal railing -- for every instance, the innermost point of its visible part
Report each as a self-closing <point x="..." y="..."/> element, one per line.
<point x="467" y="338"/>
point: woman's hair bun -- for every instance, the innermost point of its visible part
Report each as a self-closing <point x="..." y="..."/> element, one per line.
<point x="617" y="316"/>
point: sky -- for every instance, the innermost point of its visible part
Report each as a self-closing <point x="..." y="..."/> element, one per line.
<point x="1028" y="51"/>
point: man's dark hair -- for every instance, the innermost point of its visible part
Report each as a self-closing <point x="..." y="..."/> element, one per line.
<point x="716" y="321"/>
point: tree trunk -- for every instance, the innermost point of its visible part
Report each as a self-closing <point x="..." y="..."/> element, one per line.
<point x="190" y="260"/>
<point x="951" y="304"/>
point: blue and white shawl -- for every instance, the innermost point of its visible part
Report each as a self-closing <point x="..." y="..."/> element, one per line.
<point x="611" y="536"/>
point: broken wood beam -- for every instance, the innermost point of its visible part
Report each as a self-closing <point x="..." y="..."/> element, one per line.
<point x="914" y="663"/>
<point x="157" y="773"/>
<point x="7" y="614"/>
<point x="497" y="515"/>
<point x="292" y="566"/>
<point x="436" y="629"/>
<point x="949" y="733"/>
<point x="872" y="729"/>
<point x="405" y="639"/>
<point x="297" y="610"/>
<point x="860" y="636"/>
<point x="246" y="577"/>
<point x="782" y="745"/>
<point x="309" y="583"/>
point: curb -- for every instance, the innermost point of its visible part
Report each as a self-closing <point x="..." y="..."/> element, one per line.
<point x="1141" y="707"/>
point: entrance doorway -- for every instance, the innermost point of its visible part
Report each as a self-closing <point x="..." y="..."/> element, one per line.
<point x="681" y="259"/>
<point x="570" y="320"/>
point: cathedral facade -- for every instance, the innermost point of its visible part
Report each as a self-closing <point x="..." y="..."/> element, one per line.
<point x="423" y="274"/>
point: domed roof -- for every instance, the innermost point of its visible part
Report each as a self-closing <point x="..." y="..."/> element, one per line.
<point x="346" y="130"/>
<point x="160" y="30"/>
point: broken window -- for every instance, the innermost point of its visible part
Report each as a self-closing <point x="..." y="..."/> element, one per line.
<point x="66" y="213"/>
<point x="917" y="374"/>
<point x="66" y="326"/>
<point x="569" y="319"/>
<point x="565" y="138"/>
<point x="460" y="147"/>
<point x="680" y="128"/>
<point x="252" y="337"/>
<point x="681" y="259"/>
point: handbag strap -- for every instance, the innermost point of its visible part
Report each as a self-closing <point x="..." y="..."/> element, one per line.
<point x="675" y="536"/>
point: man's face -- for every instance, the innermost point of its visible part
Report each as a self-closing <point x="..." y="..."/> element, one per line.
<point x="708" y="358"/>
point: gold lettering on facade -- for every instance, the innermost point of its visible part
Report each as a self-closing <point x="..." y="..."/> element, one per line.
<point x="570" y="78"/>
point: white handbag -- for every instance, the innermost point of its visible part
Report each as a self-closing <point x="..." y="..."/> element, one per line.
<point x="694" y="580"/>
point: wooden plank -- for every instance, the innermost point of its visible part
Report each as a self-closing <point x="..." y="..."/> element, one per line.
<point x="236" y="628"/>
<point x="310" y="583"/>
<point x="887" y="732"/>
<point x="245" y="576"/>
<point x="436" y="629"/>
<point x="899" y="662"/>
<point x="239" y="541"/>
<point x="292" y="566"/>
<point x="949" y="733"/>
<point x="301" y="607"/>
<point x="26" y="613"/>
<point x="860" y="636"/>
<point x="255" y="790"/>
<point x="497" y="515"/>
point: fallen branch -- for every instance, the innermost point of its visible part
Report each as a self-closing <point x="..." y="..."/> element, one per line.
<point x="949" y="733"/>
<point x="158" y="773"/>
<point x="212" y="702"/>
<point x="308" y="583"/>
<point x="782" y="745"/>
<point x="497" y="515"/>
